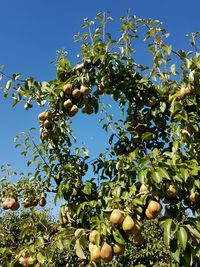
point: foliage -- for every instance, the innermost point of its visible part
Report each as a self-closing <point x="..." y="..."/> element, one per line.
<point x="29" y="233"/>
<point x="152" y="252"/>
<point x="154" y="141"/>
<point x="23" y="231"/>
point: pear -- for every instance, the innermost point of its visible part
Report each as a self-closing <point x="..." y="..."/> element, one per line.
<point x="15" y="205"/>
<point x="128" y="224"/>
<point x="118" y="249"/>
<point x="76" y="93"/>
<point x="67" y="89"/>
<point x="47" y="123"/>
<point x="194" y="197"/>
<point x="106" y="252"/>
<point x="42" y="202"/>
<point x="171" y="190"/>
<point x="95" y="253"/>
<point x="73" y="110"/>
<point x="68" y="104"/>
<point x="116" y="217"/>
<point x="84" y="90"/>
<point x="153" y="209"/>
<point x="149" y="215"/>
<point x="42" y="116"/>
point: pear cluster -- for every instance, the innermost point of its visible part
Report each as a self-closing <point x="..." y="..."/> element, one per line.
<point x="47" y="118"/>
<point x="129" y="225"/>
<point x="10" y="203"/>
<point x="29" y="203"/>
<point x="103" y="252"/>
<point x="26" y="260"/>
<point x="73" y="96"/>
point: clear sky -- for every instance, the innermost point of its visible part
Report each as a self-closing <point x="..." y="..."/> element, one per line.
<point x="32" y="31"/>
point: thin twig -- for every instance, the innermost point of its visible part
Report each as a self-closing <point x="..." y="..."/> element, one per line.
<point x="11" y="78"/>
<point x="110" y="126"/>
<point x="35" y="146"/>
<point x="90" y="33"/>
<point x="104" y="26"/>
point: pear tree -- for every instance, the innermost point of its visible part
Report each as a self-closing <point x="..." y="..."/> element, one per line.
<point x="150" y="168"/>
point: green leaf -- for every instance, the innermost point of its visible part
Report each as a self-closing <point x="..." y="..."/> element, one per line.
<point x="8" y="84"/>
<point x="79" y="248"/>
<point x="157" y="177"/>
<point x="87" y="188"/>
<point x="167" y="231"/>
<point x="175" y="250"/>
<point x="147" y="136"/>
<point x="184" y="173"/>
<point x="193" y="231"/>
<point x="163" y="107"/>
<point x="155" y="152"/>
<point x="186" y="258"/>
<point x="16" y="76"/>
<point x="173" y="69"/>
<point x="163" y="172"/>
<point x="41" y="257"/>
<point x="118" y="237"/>
<point x="168" y="49"/>
<point x="182" y="237"/>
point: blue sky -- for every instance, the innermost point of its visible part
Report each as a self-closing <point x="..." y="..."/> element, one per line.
<point x="32" y="31"/>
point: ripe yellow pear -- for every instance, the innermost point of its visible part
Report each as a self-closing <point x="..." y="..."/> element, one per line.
<point x="149" y="215"/>
<point x="67" y="89"/>
<point x="68" y="104"/>
<point x="194" y="197"/>
<point x="106" y="252"/>
<point x="10" y="202"/>
<point x="95" y="253"/>
<point x="23" y="261"/>
<point x="73" y="110"/>
<point x="42" y="116"/>
<point x="116" y="217"/>
<point x="118" y="249"/>
<point x="48" y="114"/>
<point x="76" y="93"/>
<point x="171" y="190"/>
<point x="84" y="90"/>
<point x="30" y="260"/>
<point x="4" y="204"/>
<point x="153" y="209"/>
<point x="128" y="224"/>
